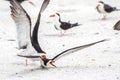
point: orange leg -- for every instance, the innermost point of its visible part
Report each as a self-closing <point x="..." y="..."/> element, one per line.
<point x="61" y="33"/>
<point x="26" y="62"/>
<point x="104" y="17"/>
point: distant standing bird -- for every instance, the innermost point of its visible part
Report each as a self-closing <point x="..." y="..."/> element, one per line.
<point x="20" y="1"/>
<point x="105" y="8"/>
<point x="117" y="26"/>
<point x="63" y="26"/>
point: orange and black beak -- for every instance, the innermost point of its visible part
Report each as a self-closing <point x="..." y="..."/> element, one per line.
<point x="52" y="15"/>
<point x="98" y="5"/>
<point x="51" y="63"/>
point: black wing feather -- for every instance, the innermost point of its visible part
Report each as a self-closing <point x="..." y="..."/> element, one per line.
<point x="72" y="50"/>
<point x="20" y="1"/>
<point x="44" y="6"/>
<point x="117" y="26"/>
<point x="34" y="41"/>
<point x="108" y="8"/>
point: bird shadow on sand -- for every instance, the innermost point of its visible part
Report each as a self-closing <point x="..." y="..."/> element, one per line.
<point x="58" y="35"/>
<point x="67" y="10"/>
<point x="108" y="18"/>
<point x="24" y="72"/>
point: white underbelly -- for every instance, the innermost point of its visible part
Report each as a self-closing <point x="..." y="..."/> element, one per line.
<point x="102" y="10"/>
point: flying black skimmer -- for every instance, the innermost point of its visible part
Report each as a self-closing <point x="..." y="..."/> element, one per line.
<point x="117" y="26"/>
<point x="20" y="1"/>
<point x="63" y="26"/>
<point x="105" y="8"/>
<point x="19" y="14"/>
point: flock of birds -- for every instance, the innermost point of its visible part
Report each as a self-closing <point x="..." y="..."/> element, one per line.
<point x="27" y="38"/>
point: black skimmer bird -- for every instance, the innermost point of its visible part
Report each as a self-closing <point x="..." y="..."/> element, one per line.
<point x="19" y="14"/>
<point x="20" y="1"/>
<point x="63" y="26"/>
<point x="117" y="26"/>
<point x="105" y="8"/>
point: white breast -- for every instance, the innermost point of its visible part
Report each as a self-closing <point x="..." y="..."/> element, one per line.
<point x="101" y="9"/>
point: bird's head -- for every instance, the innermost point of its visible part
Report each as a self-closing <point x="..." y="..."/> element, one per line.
<point x="58" y="14"/>
<point x="45" y="62"/>
<point x="55" y="18"/>
<point x="100" y="3"/>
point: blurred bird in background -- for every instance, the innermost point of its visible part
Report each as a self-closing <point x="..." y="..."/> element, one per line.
<point x="20" y="1"/>
<point x="104" y="9"/>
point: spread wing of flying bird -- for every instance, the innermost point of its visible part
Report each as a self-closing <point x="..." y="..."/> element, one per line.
<point x="72" y="50"/>
<point x="44" y="6"/>
<point x="68" y="51"/>
<point x="20" y="1"/>
<point x="117" y="26"/>
<point x="23" y="24"/>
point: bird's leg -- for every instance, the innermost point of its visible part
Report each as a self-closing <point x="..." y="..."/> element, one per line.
<point x="26" y="62"/>
<point x="104" y="17"/>
<point x="61" y="33"/>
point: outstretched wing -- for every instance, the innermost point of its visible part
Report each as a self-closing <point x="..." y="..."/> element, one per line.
<point x="23" y="23"/>
<point x="72" y="50"/>
<point x="117" y="26"/>
<point x="34" y="41"/>
<point x="44" y="6"/>
<point x="20" y="1"/>
<point x="108" y="8"/>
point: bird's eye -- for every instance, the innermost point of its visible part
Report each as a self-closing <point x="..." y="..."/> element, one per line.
<point x="43" y="56"/>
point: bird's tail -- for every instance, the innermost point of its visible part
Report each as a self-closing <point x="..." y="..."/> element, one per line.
<point x="115" y="9"/>
<point x="75" y="24"/>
